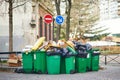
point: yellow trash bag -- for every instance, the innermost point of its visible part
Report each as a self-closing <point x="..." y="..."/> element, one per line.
<point x="38" y="43"/>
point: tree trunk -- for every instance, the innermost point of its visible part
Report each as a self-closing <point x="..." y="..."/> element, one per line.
<point x="10" y="26"/>
<point x="57" y="4"/>
<point x="68" y="10"/>
<point x="67" y="26"/>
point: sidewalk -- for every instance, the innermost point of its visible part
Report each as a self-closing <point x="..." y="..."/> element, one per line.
<point x="5" y="68"/>
<point x="108" y="73"/>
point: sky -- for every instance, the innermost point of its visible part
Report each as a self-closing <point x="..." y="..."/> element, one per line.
<point x="113" y="25"/>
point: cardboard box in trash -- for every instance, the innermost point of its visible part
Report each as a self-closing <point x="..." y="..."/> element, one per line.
<point x="59" y="44"/>
<point x="14" y="62"/>
<point x="64" y="44"/>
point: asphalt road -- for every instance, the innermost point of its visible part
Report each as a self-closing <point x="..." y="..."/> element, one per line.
<point x="109" y="72"/>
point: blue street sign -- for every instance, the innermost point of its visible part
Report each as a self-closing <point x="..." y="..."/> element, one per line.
<point x="59" y="19"/>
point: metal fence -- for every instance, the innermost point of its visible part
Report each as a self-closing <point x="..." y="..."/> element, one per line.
<point x="110" y="59"/>
<point x="4" y="56"/>
<point x="104" y="59"/>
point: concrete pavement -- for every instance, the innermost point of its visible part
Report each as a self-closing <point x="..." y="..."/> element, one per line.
<point x="109" y="72"/>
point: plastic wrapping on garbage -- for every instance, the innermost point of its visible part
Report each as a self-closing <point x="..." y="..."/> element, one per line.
<point x="82" y="54"/>
<point x="96" y="52"/>
<point x="88" y="46"/>
<point x="68" y="51"/>
<point x="54" y="51"/>
<point x="61" y="47"/>
<point x="80" y="46"/>
<point x="64" y="51"/>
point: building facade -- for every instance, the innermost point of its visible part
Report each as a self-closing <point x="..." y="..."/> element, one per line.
<point x="118" y="7"/>
<point x="108" y="9"/>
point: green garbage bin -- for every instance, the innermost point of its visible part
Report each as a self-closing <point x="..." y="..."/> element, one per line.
<point x="81" y="62"/>
<point x="95" y="60"/>
<point x="70" y="61"/>
<point x="53" y="63"/>
<point x="62" y="65"/>
<point x="70" y="64"/>
<point x="40" y="62"/>
<point x="89" y="60"/>
<point x="27" y="59"/>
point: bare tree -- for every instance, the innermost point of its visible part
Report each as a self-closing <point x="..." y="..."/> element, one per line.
<point x="57" y="5"/>
<point x="68" y="10"/>
<point x="85" y="14"/>
<point x="10" y="26"/>
<point x="10" y="12"/>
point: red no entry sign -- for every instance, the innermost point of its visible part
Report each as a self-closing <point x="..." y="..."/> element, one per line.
<point x="48" y="18"/>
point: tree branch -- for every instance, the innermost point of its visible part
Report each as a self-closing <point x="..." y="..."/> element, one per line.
<point x="1" y="2"/>
<point x="20" y="5"/>
<point x="6" y="0"/>
<point x="13" y="1"/>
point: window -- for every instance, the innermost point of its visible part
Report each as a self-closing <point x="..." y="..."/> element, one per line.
<point x="50" y="31"/>
<point x="45" y="26"/>
<point x="41" y="27"/>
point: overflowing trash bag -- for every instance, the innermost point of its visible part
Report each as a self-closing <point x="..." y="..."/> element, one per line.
<point x="88" y="46"/>
<point x="83" y="47"/>
<point x="54" y="51"/>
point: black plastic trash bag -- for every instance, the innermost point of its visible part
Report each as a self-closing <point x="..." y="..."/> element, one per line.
<point x="64" y="51"/>
<point x="88" y="46"/>
<point x="82" y="54"/>
<point x="54" y="51"/>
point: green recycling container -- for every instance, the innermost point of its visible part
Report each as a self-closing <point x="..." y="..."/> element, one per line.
<point x="81" y="63"/>
<point x="70" y="64"/>
<point x="27" y="60"/>
<point x="95" y="60"/>
<point x="53" y="63"/>
<point x="62" y="65"/>
<point x="89" y="60"/>
<point x="40" y="62"/>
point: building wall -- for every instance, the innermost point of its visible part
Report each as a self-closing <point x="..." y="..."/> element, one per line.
<point x="43" y="11"/>
<point x="119" y="7"/>
<point x="23" y="33"/>
<point x="21" y="19"/>
<point x="108" y="9"/>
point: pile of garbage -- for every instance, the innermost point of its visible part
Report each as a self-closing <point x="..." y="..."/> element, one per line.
<point x="67" y="56"/>
<point x="62" y="47"/>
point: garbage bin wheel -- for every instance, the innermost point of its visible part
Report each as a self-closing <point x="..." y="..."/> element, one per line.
<point x="32" y="71"/>
<point x="72" y="71"/>
<point x="88" y="69"/>
<point x="18" y="70"/>
<point x="46" y="72"/>
<point x="39" y="72"/>
<point x="23" y="71"/>
<point x="15" y="70"/>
